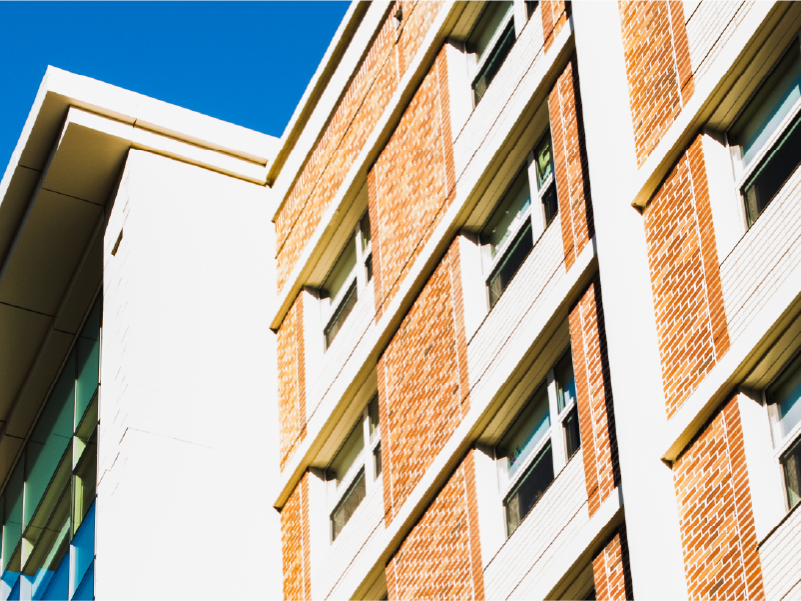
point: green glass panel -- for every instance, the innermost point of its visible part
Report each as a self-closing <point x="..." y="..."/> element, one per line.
<point x="88" y="370"/>
<point x="12" y="519"/>
<point x="341" y="271"/>
<point x="347" y="455"/>
<point x="85" y="482"/>
<point x="50" y="438"/>
<point x="543" y="155"/>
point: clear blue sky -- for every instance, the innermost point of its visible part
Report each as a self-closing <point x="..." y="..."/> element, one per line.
<point x="244" y="62"/>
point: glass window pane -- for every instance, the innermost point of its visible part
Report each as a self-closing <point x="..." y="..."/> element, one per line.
<point x="550" y="203"/>
<point x="492" y="64"/>
<point x="52" y="546"/>
<point x="84" y="482"/>
<point x="791" y="462"/>
<point x="489" y="22"/>
<point x="372" y="413"/>
<point x="510" y="263"/>
<point x="572" y="432"/>
<point x="529" y="490"/>
<point x="771" y="176"/>
<point x="60" y="582"/>
<point x="88" y="369"/>
<point x="785" y="393"/>
<point x="543" y="157"/>
<point x="377" y="460"/>
<point x="347" y="455"/>
<point x="50" y="438"/>
<point x="526" y="432"/>
<point x="508" y="217"/>
<point x="769" y="106"/>
<point x="340" y="273"/>
<point x="12" y="519"/>
<point x="565" y="382"/>
<point x="347" y="506"/>
<point x="83" y="548"/>
<point x="341" y="315"/>
<point x="364" y="225"/>
<point x="86" y="590"/>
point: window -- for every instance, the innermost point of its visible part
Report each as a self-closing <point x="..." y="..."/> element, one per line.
<point x="491" y="40"/>
<point x="350" y="275"/>
<point x="508" y="236"/>
<point x="532" y="449"/>
<point x="784" y="410"/>
<point x="355" y="468"/>
<point x="766" y="138"/>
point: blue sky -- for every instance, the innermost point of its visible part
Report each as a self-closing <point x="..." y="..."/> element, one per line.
<point x="244" y="62"/>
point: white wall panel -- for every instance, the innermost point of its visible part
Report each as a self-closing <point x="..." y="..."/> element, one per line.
<point x="763" y="259"/>
<point x="781" y="570"/>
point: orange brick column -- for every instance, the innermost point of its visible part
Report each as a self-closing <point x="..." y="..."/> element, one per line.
<point x="685" y="278"/>
<point x="554" y="15"/>
<point x="570" y="163"/>
<point x="295" y="545"/>
<point x="658" y="68"/>
<point x="611" y="571"/>
<point x="291" y="382"/>
<point x="718" y="536"/>
<point x="423" y="390"/>
<point x="594" y="397"/>
<point x="441" y="557"/>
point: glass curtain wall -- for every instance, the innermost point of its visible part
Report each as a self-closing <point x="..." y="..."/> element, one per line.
<point x="47" y="506"/>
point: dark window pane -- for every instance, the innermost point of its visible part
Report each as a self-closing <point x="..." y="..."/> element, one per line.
<point x="342" y="312"/>
<point x="364" y="225"/>
<point x="372" y="413"/>
<point x="529" y="490"/>
<point x="377" y="460"/>
<point x="531" y="6"/>
<point x="791" y="462"/>
<point x="543" y="157"/>
<point x="565" y="382"/>
<point x="347" y="506"/>
<point x="494" y="61"/>
<point x="572" y="434"/>
<point x="550" y="204"/>
<point x="517" y="253"/>
<point x="368" y="267"/>
<point x="777" y="168"/>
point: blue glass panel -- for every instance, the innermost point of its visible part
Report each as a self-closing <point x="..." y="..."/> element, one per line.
<point x="88" y="370"/>
<point x="50" y="438"/>
<point x="7" y="582"/>
<point x="60" y="582"/>
<point x="14" y="596"/>
<point x="40" y="582"/>
<point x="86" y="590"/>
<point x="83" y="545"/>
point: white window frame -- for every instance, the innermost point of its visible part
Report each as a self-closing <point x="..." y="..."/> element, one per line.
<point x="366" y="461"/>
<point x="360" y="276"/>
<point x="491" y="264"/>
<point x="555" y="434"/>
<point x="780" y="447"/>
<point x="476" y="66"/>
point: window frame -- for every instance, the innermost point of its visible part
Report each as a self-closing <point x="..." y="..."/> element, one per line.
<point x="332" y="310"/>
<point x="743" y="174"/>
<point x="492" y="265"/>
<point x="554" y="436"/>
<point x="365" y="462"/>
<point x="477" y="66"/>
<point x="789" y="440"/>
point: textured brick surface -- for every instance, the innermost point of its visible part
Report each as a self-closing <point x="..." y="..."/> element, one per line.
<point x="594" y="397"/>
<point x="685" y="278"/>
<point x="611" y="570"/>
<point x="295" y="547"/>
<point x="422" y="383"/>
<point x="657" y="67"/>
<point x="291" y="382"/>
<point x="570" y="162"/>
<point x="354" y="119"/>
<point x="441" y="557"/>
<point x="554" y="15"/>
<point x="411" y="183"/>
<point x="716" y="520"/>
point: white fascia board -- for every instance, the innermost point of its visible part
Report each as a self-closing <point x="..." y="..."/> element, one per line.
<point x="733" y="367"/>
<point x="709" y="92"/>
<point x="315" y="246"/>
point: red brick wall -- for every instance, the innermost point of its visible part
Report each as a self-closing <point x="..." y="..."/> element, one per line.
<point x="291" y="382"/>
<point x="594" y="396"/>
<point x="570" y="163"/>
<point x="441" y="557"/>
<point x="422" y="383"/>
<point x="716" y="520"/>
<point x="352" y="122"/>
<point x="611" y="570"/>
<point x="657" y="66"/>
<point x="554" y="15"/>
<point x="411" y="183"/>
<point x="685" y="278"/>
<point x="295" y="547"/>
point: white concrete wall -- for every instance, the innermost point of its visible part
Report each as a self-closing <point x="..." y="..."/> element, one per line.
<point x="781" y="570"/>
<point x="764" y="258"/>
<point x="188" y="418"/>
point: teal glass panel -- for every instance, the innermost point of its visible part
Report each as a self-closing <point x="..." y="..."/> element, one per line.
<point x="50" y="439"/>
<point x="12" y="520"/>
<point x="88" y="355"/>
<point x="86" y="590"/>
<point x="84" y="482"/>
<point x="83" y="547"/>
<point x="59" y="586"/>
